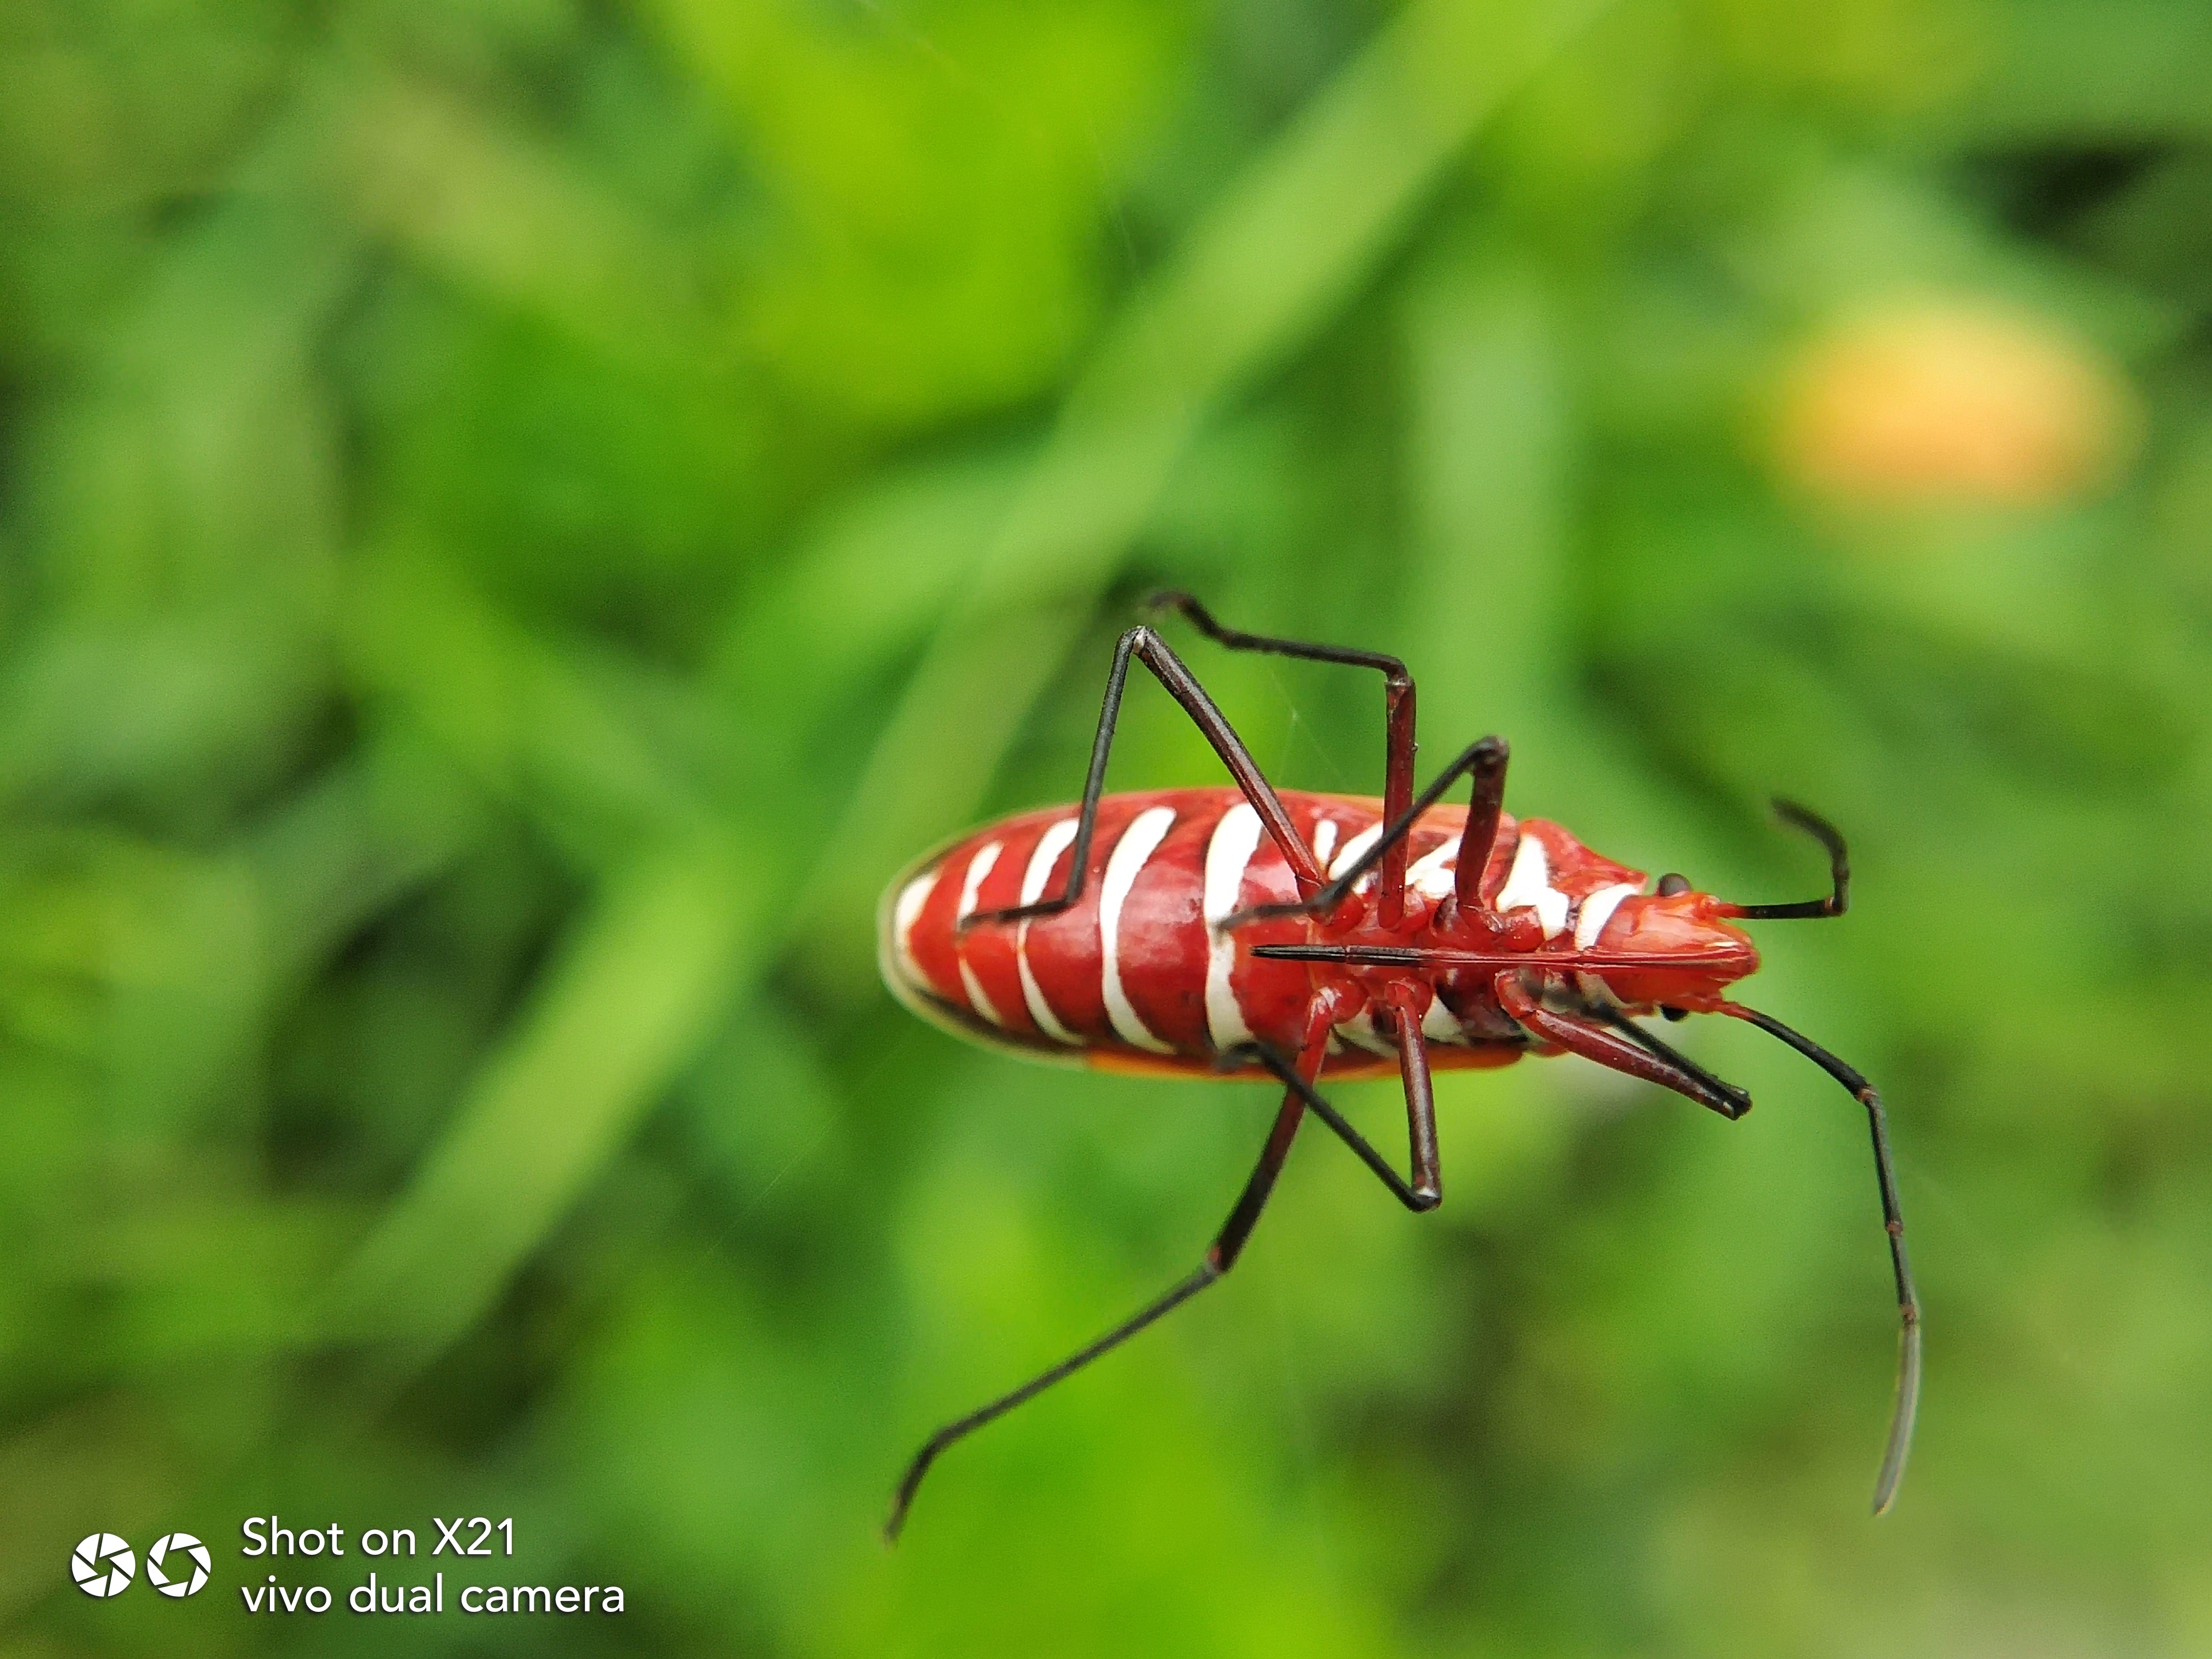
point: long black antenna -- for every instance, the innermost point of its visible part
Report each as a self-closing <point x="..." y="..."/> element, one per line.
<point x="1907" y="1405"/>
<point x="1839" y="870"/>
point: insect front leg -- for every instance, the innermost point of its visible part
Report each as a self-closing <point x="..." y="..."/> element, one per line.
<point x="1640" y="1056"/>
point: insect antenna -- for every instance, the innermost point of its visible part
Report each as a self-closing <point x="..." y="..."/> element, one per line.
<point x="1908" y="1302"/>
<point x="1839" y="871"/>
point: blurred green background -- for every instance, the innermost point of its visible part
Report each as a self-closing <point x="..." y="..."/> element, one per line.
<point x="516" y="516"/>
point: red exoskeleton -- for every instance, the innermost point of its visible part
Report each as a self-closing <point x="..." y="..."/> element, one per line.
<point x="1250" y="933"/>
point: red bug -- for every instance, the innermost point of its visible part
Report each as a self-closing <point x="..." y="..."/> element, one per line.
<point x="1248" y="933"/>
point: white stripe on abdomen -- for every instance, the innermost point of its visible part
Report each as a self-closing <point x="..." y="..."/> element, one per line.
<point x="1598" y="910"/>
<point x="1434" y="876"/>
<point x="978" y="867"/>
<point x="1353" y="851"/>
<point x="911" y="898"/>
<point x="1228" y="853"/>
<point x="1361" y="1031"/>
<point x="1049" y="847"/>
<point x="1324" y="841"/>
<point x="1138" y="844"/>
<point x="1529" y="884"/>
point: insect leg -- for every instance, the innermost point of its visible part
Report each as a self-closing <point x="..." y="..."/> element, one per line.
<point x="1397" y="720"/>
<point x="1609" y="1048"/>
<point x="1220" y="1256"/>
<point x="1409" y="1003"/>
<point x="1153" y="651"/>
<point x="1486" y="803"/>
<point x="1653" y="1045"/>
<point x="1483" y="757"/>
<point x="1420" y="1194"/>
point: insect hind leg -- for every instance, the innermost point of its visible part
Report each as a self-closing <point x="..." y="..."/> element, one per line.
<point x="1149" y="648"/>
<point x="1398" y="707"/>
<point x="1420" y="1194"/>
<point x="1220" y="1256"/>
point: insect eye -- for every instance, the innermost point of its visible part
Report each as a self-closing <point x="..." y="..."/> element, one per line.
<point x="1673" y="882"/>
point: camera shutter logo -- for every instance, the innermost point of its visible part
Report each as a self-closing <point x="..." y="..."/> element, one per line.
<point x="102" y="1564"/>
<point x="186" y="1574"/>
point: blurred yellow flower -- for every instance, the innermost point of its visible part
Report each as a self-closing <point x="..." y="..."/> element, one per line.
<point x="1952" y="402"/>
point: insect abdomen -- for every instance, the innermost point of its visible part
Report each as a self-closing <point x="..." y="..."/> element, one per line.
<point x="1132" y="971"/>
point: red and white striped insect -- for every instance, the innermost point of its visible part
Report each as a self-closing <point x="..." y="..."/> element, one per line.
<point x="1247" y="933"/>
